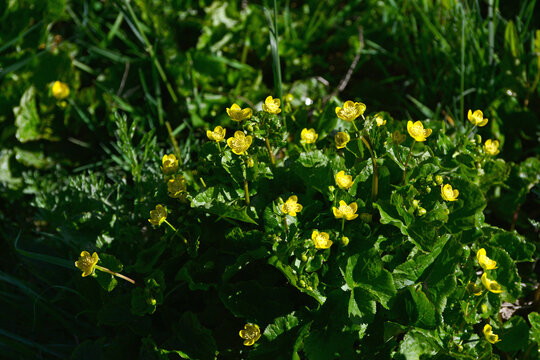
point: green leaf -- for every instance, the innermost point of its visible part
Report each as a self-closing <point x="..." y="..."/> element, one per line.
<point x="410" y="271"/>
<point x="281" y="325"/>
<point x="534" y="319"/>
<point x="108" y="281"/>
<point x="511" y="39"/>
<point x="514" y="335"/>
<point x="194" y="339"/>
<point x="27" y="120"/>
<point x="421" y="310"/>
<point x="516" y="245"/>
<point x="324" y="344"/>
<point x="222" y="201"/>
<point x="418" y="342"/>
<point x="327" y="121"/>
<point x="361" y="309"/>
<point x="145" y="301"/>
<point x="366" y="271"/>
<point x="506" y="273"/>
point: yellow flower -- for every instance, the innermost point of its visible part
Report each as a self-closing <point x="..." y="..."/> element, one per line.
<point x="350" y="110"/>
<point x="448" y="193"/>
<point x="379" y="120"/>
<point x="490" y="336"/>
<point x="417" y="131"/>
<point x="271" y="105"/>
<point x="291" y="206"/>
<point x="217" y="135"/>
<point x="342" y="138"/>
<point x="87" y="263"/>
<point x="239" y="143"/>
<point x="491" y="147"/>
<point x="250" y="334"/>
<point x="60" y="90"/>
<point x="345" y="211"/>
<point x="321" y="240"/>
<point x="170" y="164"/>
<point x="477" y="118"/>
<point x="398" y="137"/>
<point x="491" y="285"/>
<point x="485" y="262"/>
<point x="343" y="181"/>
<point x="238" y="114"/>
<point x="476" y="290"/>
<point x="158" y="216"/>
<point x="177" y="187"/>
<point x="309" y="136"/>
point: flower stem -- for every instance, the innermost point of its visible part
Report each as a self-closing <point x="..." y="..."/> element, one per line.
<point x="168" y="223"/>
<point x="246" y="190"/>
<point x="407" y="162"/>
<point x="355" y="127"/>
<point x="104" y="269"/>
<point x="219" y="147"/>
<point x="173" y="140"/>
<point x="272" y="158"/>
<point x="246" y="187"/>
<point x="342" y="225"/>
<point x="375" y="180"/>
<point x="284" y="217"/>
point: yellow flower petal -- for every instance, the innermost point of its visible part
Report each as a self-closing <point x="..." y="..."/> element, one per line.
<point x="417" y="131"/>
<point x="236" y="113"/>
<point x="491" y="285"/>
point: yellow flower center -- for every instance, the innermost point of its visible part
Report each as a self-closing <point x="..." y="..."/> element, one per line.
<point x="343" y="181"/>
<point x="239" y="143"/>
<point x="309" y="136"/>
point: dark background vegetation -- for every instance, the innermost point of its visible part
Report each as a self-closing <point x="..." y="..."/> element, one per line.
<point x="80" y="176"/>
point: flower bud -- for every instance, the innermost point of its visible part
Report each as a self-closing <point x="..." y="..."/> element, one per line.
<point x="151" y="301"/>
<point x="421" y="211"/>
<point x="304" y="258"/>
<point x="302" y="283"/>
<point x="249" y="128"/>
<point x="429" y="178"/>
<point x="428" y="189"/>
<point x="484" y="308"/>
<point x="345" y="241"/>
<point x="478" y="138"/>
<point x="250" y="162"/>
<point x="439" y="179"/>
<point x="415" y="203"/>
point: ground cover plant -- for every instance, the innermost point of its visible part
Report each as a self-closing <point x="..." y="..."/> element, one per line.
<point x="269" y="180"/>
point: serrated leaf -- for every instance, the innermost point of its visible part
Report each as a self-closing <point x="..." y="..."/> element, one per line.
<point x="366" y="271"/>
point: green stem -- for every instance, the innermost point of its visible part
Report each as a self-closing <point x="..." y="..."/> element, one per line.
<point x="342" y="225"/>
<point x="272" y="158"/>
<point x="407" y="162"/>
<point x="462" y="79"/>
<point x="375" y="180"/>
<point x="168" y="223"/>
<point x="284" y="217"/>
<point x="355" y="128"/>
<point x="174" y="142"/>
<point x="246" y="190"/>
<point x="104" y="269"/>
<point x="246" y="187"/>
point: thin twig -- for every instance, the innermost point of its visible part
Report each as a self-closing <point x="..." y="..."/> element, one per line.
<point x="124" y="78"/>
<point x="345" y="81"/>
